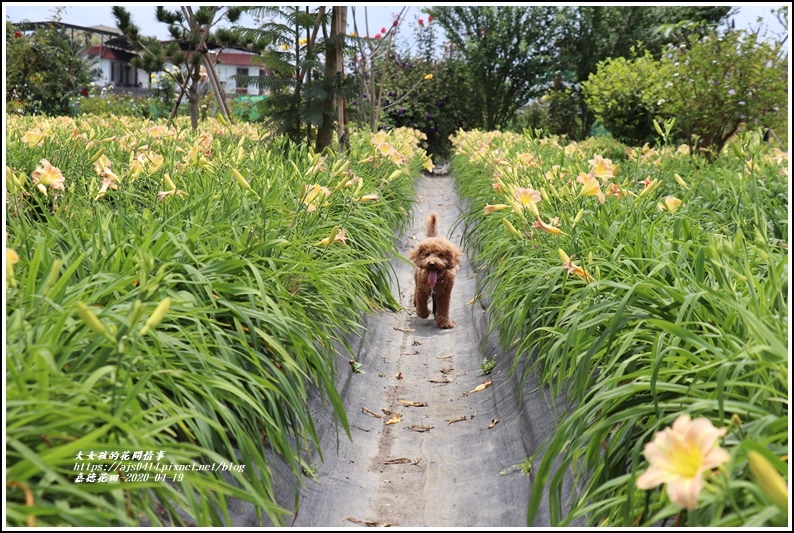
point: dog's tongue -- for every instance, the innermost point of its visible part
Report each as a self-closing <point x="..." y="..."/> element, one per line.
<point x="432" y="277"/>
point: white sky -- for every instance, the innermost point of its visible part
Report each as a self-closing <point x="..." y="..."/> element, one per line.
<point x="380" y="15"/>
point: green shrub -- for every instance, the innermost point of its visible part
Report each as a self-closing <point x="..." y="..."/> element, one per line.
<point x="625" y="94"/>
<point x="712" y="86"/>
<point x="717" y="84"/>
<point x="43" y="71"/>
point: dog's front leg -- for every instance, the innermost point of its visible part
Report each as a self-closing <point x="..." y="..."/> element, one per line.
<point x="420" y="302"/>
<point x="442" y="308"/>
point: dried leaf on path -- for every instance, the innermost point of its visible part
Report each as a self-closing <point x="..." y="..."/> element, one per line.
<point x="445" y="380"/>
<point x="494" y="422"/>
<point x="420" y="429"/>
<point x="409" y="403"/>
<point x="368" y="523"/>
<point x="478" y="388"/>
<point x="403" y="461"/>
<point x="404" y="330"/>
<point x="368" y="412"/>
<point x="460" y="419"/>
<point x="399" y="375"/>
<point x="396" y="418"/>
<point x="416" y="343"/>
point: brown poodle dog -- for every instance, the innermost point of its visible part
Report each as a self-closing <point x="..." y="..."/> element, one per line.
<point x="436" y="263"/>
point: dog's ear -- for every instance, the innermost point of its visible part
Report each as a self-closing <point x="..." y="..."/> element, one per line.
<point x="413" y="253"/>
<point x="457" y="255"/>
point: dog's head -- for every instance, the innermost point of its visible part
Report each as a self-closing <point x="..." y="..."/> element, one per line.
<point x="436" y="254"/>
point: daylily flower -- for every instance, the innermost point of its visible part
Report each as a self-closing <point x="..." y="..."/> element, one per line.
<point x="107" y="183"/>
<point x="428" y="76"/>
<point x="369" y="198"/>
<point x="615" y="190"/>
<point x="602" y="168"/>
<point x="679" y="456"/>
<point x="671" y="203"/>
<point x="680" y="181"/>
<point x="33" y="137"/>
<point x="590" y="187"/>
<point x="47" y="175"/>
<point x="649" y="185"/>
<point x="567" y="263"/>
<point x="101" y="163"/>
<point x="496" y="207"/>
<point x="12" y="258"/>
<point x="548" y="228"/>
<point x="137" y="166"/>
<point x="303" y="41"/>
<point x="528" y="198"/>
<point x="316" y="197"/>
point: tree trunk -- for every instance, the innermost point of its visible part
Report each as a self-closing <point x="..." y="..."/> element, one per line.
<point x="333" y="71"/>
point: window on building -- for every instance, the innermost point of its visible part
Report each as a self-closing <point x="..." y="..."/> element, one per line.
<point x="241" y="85"/>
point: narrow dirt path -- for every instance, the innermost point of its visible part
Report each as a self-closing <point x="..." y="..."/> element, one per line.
<point x="444" y="464"/>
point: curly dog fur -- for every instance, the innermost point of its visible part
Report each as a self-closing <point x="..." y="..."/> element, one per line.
<point x="436" y="263"/>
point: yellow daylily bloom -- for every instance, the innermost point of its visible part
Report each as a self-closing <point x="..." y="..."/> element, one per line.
<point x="369" y="198"/>
<point x="680" y="456"/>
<point x="33" y="137"/>
<point x="428" y="76"/>
<point x="590" y="187"/>
<point x="12" y="258"/>
<point x="671" y="203"/>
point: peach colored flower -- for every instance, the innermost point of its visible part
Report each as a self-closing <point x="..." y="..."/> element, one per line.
<point x="679" y="456"/>
<point x="47" y="175"/>
<point x="615" y="190"/>
<point x="528" y="198"/>
<point x="601" y="168"/>
<point x="369" y="198"/>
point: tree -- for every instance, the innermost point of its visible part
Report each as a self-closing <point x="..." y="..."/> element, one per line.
<point x="44" y="70"/>
<point x="588" y="35"/>
<point x="509" y="52"/>
<point x="192" y="32"/>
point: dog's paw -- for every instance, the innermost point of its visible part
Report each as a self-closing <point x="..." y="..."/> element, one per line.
<point x="446" y="324"/>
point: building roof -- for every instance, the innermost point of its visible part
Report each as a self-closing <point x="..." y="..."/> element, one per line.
<point x="105" y="52"/>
